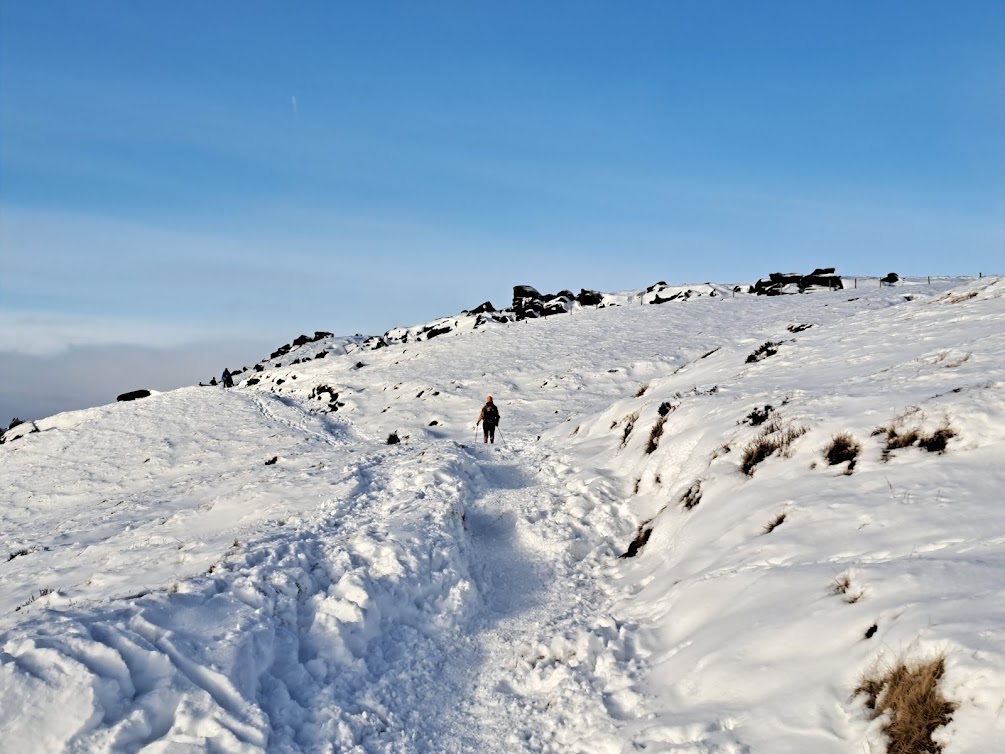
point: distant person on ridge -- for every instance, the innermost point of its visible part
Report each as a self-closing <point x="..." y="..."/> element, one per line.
<point x="489" y="419"/>
<point x="228" y="379"/>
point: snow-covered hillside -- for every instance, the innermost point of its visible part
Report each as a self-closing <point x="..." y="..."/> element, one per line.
<point x="808" y="488"/>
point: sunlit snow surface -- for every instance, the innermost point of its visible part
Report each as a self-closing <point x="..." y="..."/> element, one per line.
<point x="441" y="595"/>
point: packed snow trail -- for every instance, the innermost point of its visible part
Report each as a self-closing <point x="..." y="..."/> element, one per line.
<point x="554" y="665"/>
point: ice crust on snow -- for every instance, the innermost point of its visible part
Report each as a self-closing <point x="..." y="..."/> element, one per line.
<point x="167" y="591"/>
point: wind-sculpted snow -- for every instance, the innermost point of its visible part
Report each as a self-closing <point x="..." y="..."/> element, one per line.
<point x="169" y="590"/>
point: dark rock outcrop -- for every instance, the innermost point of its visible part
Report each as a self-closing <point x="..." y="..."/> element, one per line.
<point x="435" y="331"/>
<point x="590" y="298"/>
<point x="134" y="395"/>
<point x="827" y="280"/>
<point x="485" y="308"/>
<point x="527" y="302"/>
<point x="775" y="284"/>
<point x="891" y="278"/>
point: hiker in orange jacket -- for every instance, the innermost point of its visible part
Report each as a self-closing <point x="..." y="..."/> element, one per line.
<point x="489" y="419"/>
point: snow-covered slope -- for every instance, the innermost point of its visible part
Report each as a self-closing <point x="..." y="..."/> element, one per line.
<point x="259" y="570"/>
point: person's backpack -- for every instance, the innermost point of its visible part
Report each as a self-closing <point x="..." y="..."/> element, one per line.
<point x="490" y="414"/>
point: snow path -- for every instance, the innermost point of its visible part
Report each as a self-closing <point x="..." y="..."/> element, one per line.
<point x="554" y="670"/>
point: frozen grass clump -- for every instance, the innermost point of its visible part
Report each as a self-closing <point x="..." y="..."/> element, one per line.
<point x="909" y="696"/>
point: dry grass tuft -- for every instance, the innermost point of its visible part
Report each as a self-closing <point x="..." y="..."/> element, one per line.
<point x="629" y="426"/>
<point x="642" y="390"/>
<point x="908" y="694"/>
<point x="692" y="497"/>
<point x="655" y="434"/>
<point x="936" y="442"/>
<point x="774" y="438"/>
<point x="897" y="438"/>
<point x="774" y="523"/>
<point x="843" y="448"/>
<point x="722" y="450"/>
<point x="843" y="586"/>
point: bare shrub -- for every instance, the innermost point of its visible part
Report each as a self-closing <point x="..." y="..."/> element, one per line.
<point x="393" y="439"/>
<point x="758" y="416"/>
<point x="843" y="448"/>
<point x="642" y="391"/>
<point x="843" y="586"/>
<point x="629" y="426"/>
<point x="798" y="328"/>
<point x="909" y="696"/>
<point x="692" y="497"/>
<point x="654" y="435"/>
<point x="774" y="523"/>
<point x="32" y="597"/>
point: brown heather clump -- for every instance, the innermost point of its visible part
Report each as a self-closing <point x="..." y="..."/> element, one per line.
<point x="909" y="695"/>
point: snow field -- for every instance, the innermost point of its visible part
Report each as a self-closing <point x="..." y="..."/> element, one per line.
<point x="441" y="595"/>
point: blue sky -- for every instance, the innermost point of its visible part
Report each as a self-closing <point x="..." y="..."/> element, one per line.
<point x="195" y="171"/>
